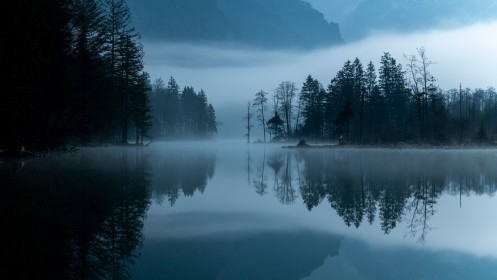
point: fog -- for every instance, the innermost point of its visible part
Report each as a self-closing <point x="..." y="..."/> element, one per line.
<point x="231" y="76"/>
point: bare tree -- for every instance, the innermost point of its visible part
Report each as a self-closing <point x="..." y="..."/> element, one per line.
<point x="285" y="93"/>
<point x="248" y="117"/>
<point x="421" y="82"/>
<point x="260" y="101"/>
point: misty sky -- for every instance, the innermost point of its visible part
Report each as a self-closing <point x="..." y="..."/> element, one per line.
<point x="231" y="77"/>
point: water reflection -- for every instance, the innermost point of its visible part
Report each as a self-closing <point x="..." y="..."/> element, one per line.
<point x="209" y="246"/>
<point x="194" y="211"/>
<point x="76" y="216"/>
<point x="393" y="186"/>
<point x="181" y="170"/>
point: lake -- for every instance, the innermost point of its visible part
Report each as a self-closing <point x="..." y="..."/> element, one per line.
<point x="229" y="210"/>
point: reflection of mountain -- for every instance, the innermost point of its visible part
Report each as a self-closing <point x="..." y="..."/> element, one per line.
<point x="390" y="185"/>
<point x="185" y="170"/>
<point x="73" y="216"/>
<point x="235" y="254"/>
<point x="358" y="260"/>
<point x="259" y="23"/>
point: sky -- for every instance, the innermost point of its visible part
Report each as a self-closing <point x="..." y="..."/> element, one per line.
<point x="231" y="77"/>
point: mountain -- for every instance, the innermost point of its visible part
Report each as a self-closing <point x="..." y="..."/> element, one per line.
<point x="358" y="18"/>
<point x="257" y="23"/>
<point x="335" y="10"/>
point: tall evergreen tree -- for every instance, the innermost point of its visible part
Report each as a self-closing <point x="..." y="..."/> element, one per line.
<point x="341" y="91"/>
<point x="94" y="103"/>
<point x="311" y="98"/>
<point x="130" y="72"/>
<point x="248" y="118"/>
<point x="171" y="109"/>
<point x="394" y="88"/>
<point x="211" y="121"/>
<point x="36" y="100"/>
<point x="140" y="111"/>
<point x="123" y="55"/>
<point x="371" y="86"/>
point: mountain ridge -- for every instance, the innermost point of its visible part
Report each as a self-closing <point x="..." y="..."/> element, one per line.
<point x="403" y="15"/>
<point x="258" y="23"/>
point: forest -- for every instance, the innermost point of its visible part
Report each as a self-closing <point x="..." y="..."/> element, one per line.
<point x="360" y="105"/>
<point x="74" y="75"/>
<point x="181" y="113"/>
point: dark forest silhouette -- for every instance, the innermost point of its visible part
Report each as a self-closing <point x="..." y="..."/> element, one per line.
<point x="81" y="215"/>
<point x="392" y="186"/>
<point x="181" y="114"/>
<point x="256" y="255"/>
<point x="74" y="75"/>
<point x="180" y="172"/>
<point x="395" y="104"/>
<point x="75" y="216"/>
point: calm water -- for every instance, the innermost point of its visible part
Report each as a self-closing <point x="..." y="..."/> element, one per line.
<point x="228" y="210"/>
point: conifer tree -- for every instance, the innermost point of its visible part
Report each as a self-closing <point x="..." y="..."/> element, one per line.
<point x="312" y="97"/>
<point x="123" y="55"/>
<point x="140" y="111"/>
<point x="393" y="86"/>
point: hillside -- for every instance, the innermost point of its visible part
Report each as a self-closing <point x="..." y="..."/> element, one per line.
<point x="358" y="18"/>
<point x="405" y="15"/>
<point x="257" y="23"/>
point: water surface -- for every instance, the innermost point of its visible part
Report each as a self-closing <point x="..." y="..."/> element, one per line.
<point x="228" y="210"/>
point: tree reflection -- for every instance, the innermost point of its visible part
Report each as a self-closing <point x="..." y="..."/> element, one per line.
<point x="75" y="217"/>
<point x="394" y="186"/>
<point x="260" y="183"/>
<point x="179" y="172"/>
<point x="281" y="164"/>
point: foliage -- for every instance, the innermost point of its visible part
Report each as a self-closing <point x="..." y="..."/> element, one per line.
<point x="181" y="113"/>
<point x="366" y="106"/>
<point x="74" y="75"/>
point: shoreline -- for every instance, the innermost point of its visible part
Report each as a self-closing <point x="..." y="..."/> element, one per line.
<point x="393" y="146"/>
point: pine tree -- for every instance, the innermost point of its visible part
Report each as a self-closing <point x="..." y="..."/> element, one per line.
<point x="94" y="107"/>
<point x="123" y="55"/>
<point x="140" y="107"/>
<point x="342" y="122"/>
<point x="36" y="100"/>
<point x="211" y="121"/>
<point x="311" y="98"/>
<point x="171" y="109"/>
<point x="394" y="88"/>
<point x="248" y="125"/>
<point x="341" y="90"/>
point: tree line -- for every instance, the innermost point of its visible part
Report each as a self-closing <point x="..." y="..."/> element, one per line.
<point x="74" y="74"/>
<point x="76" y="216"/>
<point x="374" y="184"/>
<point x="181" y="113"/>
<point x="394" y="104"/>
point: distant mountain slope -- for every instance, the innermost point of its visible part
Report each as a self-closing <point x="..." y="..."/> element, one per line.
<point x="335" y="10"/>
<point x="259" y="23"/>
<point x="411" y="15"/>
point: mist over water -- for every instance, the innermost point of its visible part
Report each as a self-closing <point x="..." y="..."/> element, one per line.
<point x="231" y="76"/>
<point x="221" y="204"/>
